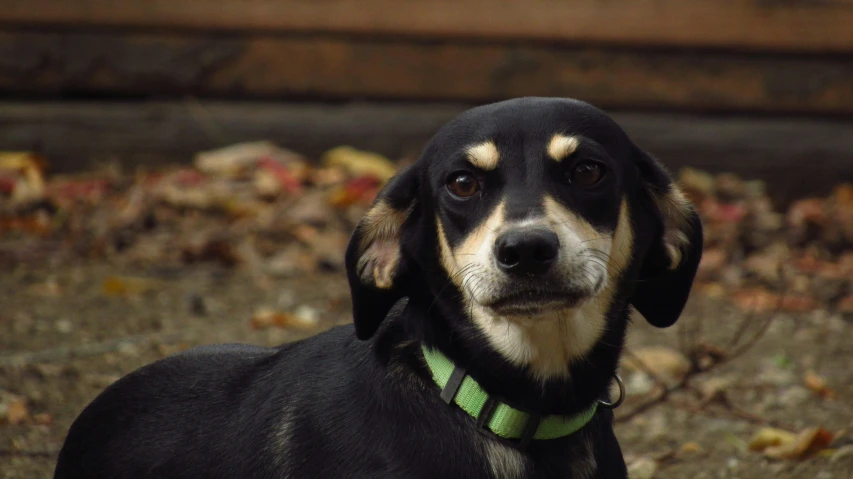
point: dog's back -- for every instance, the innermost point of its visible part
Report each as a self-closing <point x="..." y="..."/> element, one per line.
<point x="182" y="414"/>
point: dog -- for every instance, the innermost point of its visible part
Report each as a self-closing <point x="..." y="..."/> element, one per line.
<point x="491" y="283"/>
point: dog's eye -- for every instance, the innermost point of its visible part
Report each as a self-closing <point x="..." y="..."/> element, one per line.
<point x="586" y="174"/>
<point x="463" y="184"/>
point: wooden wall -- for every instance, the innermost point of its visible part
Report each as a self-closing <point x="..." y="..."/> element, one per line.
<point x="760" y="87"/>
<point x="776" y="56"/>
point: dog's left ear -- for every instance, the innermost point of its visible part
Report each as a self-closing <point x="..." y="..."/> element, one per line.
<point x="672" y="257"/>
<point x="376" y="267"/>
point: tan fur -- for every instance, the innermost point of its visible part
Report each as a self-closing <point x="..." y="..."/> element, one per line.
<point x="484" y="156"/>
<point x="478" y="243"/>
<point x="549" y="342"/>
<point x="504" y="461"/>
<point x="380" y="244"/>
<point x="562" y="146"/>
<point x="281" y="442"/>
<point x="675" y="210"/>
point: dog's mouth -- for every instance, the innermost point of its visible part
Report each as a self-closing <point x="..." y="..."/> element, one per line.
<point x="535" y="302"/>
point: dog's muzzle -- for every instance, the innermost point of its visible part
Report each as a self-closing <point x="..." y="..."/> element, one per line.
<point x="527" y="252"/>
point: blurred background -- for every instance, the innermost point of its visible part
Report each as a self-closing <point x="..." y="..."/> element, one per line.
<point x="181" y="173"/>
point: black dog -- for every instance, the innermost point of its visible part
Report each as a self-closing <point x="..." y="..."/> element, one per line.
<point x="521" y="239"/>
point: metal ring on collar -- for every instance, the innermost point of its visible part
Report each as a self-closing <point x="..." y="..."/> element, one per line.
<point x="617" y="402"/>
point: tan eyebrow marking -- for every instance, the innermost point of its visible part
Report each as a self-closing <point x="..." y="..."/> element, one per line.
<point x="561" y="146"/>
<point x="484" y="155"/>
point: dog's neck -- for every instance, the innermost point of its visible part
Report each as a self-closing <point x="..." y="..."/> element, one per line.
<point x="587" y="379"/>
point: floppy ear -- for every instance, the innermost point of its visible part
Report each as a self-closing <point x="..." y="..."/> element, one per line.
<point x="375" y="264"/>
<point x="672" y="257"/>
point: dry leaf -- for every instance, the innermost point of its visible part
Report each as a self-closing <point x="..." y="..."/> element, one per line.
<point x="272" y="177"/>
<point x="360" y="163"/>
<point x="359" y="190"/>
<point x="304" y="319"/>
<point x="715" y="388"/>
<point x="711" y="290"/>
<point x="128" y="286"/>
<point x="781" y="444"/>
<point x="770" y="437"/>
<point x="23" y="176"/>
<point x="696" y="184"/>
<point x="665" y="363"/>
<point x="713" y="260"/>
<point x="690" y="448"/>
<point x="42" y="419"/>
<point x="817" y="385"/>
<point x="642" y="468"/>
<point x="761" y="300"/>
<point x="234" y="160"/>
<point x="14" y="411"/>
<point x="845" y="305"/>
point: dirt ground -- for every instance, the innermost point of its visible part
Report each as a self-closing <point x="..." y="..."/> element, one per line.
<point x="49" y="357"/>
<point x="75" y="315"/>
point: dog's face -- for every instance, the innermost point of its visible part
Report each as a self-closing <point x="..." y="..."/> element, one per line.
<point x="540" y="213"/>
<point x="526" y="231"/>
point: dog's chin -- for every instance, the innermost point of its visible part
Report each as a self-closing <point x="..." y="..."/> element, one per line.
<point x="532" y="305"/>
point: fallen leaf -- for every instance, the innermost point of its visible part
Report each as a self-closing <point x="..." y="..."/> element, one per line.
<point x="729" y="186"/>
<point x="730" y="213"/>
<point x="696" y="184"/>
<point x="807" y="211"/>
<point x="781" y="444"/>
<point x="304" y="319"/>
<point x="845" y="305"/>
<point x="642" y="468"/>
<point x="285" y="181"/>
<point x="817" y="385"/>
<point x="665" y="363"/>
<point x="761" y="300"/>
<point x="842" y="210"/>
<point x="690" y="448"/>
<point x="767" y="264"/>
<point x="359" y="190"/>
<point x="713" y="260"/>
<point x="23" y="176"/>
<point x="770" y="437"/>
<point x="711" y="289"/>
<point x="14" y="410"/>
<point x="128" y="286"/>
<point x="42" y="419"/>
<point x="715" y="388"/>
<point x="360" y="163"/>
<point x="236" y="159"/>
<point x="7" y="184"/>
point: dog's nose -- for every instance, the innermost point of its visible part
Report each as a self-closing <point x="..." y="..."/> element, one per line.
<point x="530" y="251"/>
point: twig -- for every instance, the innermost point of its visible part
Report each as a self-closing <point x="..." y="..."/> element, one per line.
<point x="656" y="401"/>
<point x="690" y="345"/>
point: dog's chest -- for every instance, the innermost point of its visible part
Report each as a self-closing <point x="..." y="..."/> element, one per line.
<point x="504" y="462"/>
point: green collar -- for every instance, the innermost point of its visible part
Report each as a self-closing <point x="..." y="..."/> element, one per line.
<point x="500" y="418"/>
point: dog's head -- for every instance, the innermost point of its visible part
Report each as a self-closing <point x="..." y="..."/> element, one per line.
<point x="528" y="211"/>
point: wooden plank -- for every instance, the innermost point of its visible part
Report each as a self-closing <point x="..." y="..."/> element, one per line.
<point x="814" y="25"/>
<point x="796" y="156"/>
<point x="266" y="67"/>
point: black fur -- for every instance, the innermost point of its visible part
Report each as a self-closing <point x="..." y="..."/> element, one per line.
<point x="336" y="405"/>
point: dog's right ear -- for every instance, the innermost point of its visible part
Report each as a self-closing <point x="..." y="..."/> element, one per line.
<point x="376" y="267"/>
